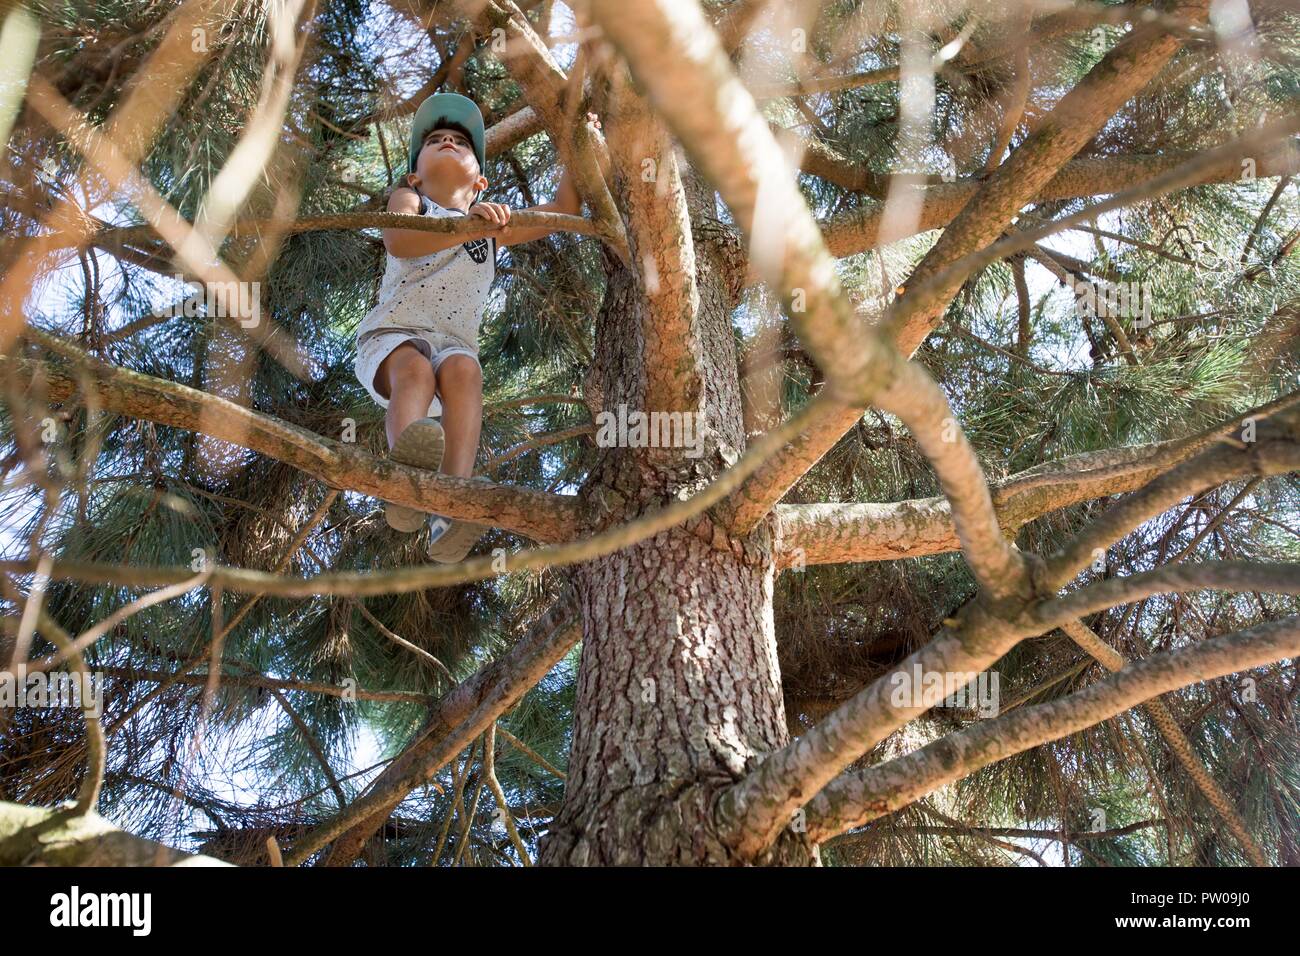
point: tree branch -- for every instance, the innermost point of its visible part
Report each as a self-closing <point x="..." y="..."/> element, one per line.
<point x="151" y="97"/>
<point x="402" y="580"/>
<point x="858" y="230"/>
<point x="857" y="798"/>
<point x="1170" y="579"/>
<point x="266" y="683"/>
<point x="1275" y="451"/>
<point x="538" y="515"/>
<point x="41" y="836"/>
<point x="116" y="238"/>
<point x="662" y="246"/>
<point x="1177" y="741"/>
<point x="852" y="532"/>
<point x="1059" y="836"/>
<point x="771" y="483"/>
<point x="760" y="805"/>
<point x="1080" y="114"/>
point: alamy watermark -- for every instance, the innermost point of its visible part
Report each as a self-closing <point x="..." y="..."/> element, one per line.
<point x="921" y="688"/>
<point x="1103" y="299"/>
<point x="229" y="300"/>
<point x="52" y="689"/>
<point x="75" y="908"/>
<point x="637" y="429"/>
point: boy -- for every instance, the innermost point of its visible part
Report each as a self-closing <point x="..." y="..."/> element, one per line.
<point x="417" y="350"/>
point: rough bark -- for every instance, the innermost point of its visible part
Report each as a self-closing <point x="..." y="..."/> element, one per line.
<point x="678" y="693"/>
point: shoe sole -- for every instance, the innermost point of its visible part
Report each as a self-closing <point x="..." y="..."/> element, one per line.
<point x="457" y="542"/>
<point x="421" y="446"/>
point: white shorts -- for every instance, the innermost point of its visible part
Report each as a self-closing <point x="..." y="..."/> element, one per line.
<point x="435" y="346"/>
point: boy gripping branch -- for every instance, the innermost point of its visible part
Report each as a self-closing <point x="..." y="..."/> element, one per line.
<point x="417" y="349"/>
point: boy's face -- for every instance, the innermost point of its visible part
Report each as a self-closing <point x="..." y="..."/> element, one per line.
<point x="447" y="157"/>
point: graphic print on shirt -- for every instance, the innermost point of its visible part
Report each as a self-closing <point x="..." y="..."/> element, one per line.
<point x="444" y="292"/>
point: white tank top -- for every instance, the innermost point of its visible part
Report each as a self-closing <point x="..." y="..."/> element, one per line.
<point x="445" y="291"/>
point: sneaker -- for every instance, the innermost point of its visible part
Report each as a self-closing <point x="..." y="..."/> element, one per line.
<point x="419" y="445"/>
<point x="450" y="540"/>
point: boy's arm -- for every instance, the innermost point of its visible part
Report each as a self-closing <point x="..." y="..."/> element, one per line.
<point x="566" y="201"/>
<point x="410" y="243"/>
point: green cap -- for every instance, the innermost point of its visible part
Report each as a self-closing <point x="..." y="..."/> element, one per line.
<point x="456" y="109"/>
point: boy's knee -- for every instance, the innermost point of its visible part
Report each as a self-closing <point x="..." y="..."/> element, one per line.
<point x="406" y="364"/>
<point x="459" y="370"/>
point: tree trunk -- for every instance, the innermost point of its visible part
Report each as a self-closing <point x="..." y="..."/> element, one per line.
<point x="678" y="690"/>
<point x="678" y="693"/>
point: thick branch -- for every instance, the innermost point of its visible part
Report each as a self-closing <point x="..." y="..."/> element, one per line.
<point x="858" y="230"/>
<point x="851" y="532"/>
<point x="770" y="484"/>
<point x="759" y="806"/>
<point x="663" y="249"/>
<point x="39" y="836"/>
<point x="405" y="580"/>
<point x="471" y="227"/>
<point x="757" y="497"/>
<point x="1275" y="451"/>
<point x="857" y="798"/>
<point x="541" y="516"/>
<point x="1170" y="579"/>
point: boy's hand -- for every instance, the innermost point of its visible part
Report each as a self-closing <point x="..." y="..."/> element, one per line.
<point x="566" y="201"/>
<point x="493" y="212"/>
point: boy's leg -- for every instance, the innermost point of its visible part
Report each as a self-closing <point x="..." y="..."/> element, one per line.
<point x="460" y="386"/>
<point x="406" y="379"/>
